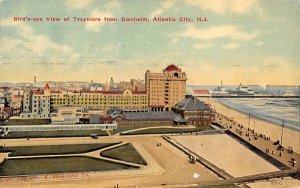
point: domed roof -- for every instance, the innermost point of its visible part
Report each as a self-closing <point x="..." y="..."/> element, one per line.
<point x="172" y="68"/>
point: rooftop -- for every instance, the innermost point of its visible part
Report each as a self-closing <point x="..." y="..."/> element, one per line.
<point x="191" y="103"/>
<point x="172" y="67"/>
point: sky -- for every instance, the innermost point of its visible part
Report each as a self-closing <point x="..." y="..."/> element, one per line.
<point x="248" y="42"/>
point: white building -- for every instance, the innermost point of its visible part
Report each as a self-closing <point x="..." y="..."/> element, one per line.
<point x="67" y="114"/>
<point x="36" y="104"/>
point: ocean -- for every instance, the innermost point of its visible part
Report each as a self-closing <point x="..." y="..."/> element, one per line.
<point x="275" y="110"/>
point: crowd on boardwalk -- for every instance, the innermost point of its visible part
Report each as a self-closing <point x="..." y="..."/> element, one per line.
<point x="271" y="146"/>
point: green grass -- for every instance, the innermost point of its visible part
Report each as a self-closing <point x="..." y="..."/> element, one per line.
<point x="46" y="134"/>
<point x="167" y="130"/>
<point x="53" y="149"/>
<point x="124" y="153"/>
<point x="13" y="167"/>
<point x="122" y="128"/>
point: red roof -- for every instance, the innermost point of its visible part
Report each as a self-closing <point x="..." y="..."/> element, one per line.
<point x="8" y="110"/>
<point x="55" y="91"/>
<point x="47" y="86"/>
<point x="36" y="92"/>
<point x="103" y="92"/>
<point x="172" y="68"/>
<point x="108" y="117"/>
<point x="4" y="87"/>
<point x="112" y="92"/>
<point x="17" y="96"/>
<point x="201" y="91"/>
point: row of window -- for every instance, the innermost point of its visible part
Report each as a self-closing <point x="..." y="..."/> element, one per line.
<point x="99" y="96"/>
<point x="61" y="127"/>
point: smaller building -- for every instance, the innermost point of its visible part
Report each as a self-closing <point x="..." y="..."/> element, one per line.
<point x="67" y="114"/>
<point x="16" y="104"/>
<point x="194" y="111"/>
<point x="201" y="93"/>
<point x="3" y="102"/>
<point x="5" y="113"/>
<point x="36" y="104"/>
<point x="136" y="117"/>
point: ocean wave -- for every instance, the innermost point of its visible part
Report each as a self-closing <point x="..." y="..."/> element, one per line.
<point x="276" y="111"/>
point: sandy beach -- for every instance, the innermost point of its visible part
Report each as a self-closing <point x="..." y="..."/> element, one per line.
<point x="291" y="138"/>
<point x="226" y="153"/>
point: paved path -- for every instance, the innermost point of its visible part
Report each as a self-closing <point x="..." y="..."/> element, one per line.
<point x="145" y="128"/>
<point x="252" y="178"/>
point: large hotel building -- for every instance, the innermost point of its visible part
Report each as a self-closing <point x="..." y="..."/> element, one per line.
<point x="102" y="100"/>
<point x="165" y="89"/>
<point x="38" y="104"/>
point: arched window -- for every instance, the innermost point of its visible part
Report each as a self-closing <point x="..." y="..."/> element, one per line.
<point x="176" y="75"/>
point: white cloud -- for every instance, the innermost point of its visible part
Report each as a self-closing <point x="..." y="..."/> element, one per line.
<point x="96" y="13"/>
<point x="259" y="43"/>
<point x="21" y="26"/>
<point x="275" y="61"/>
<point x="112" y="4"/>
<point x="203" y="46"/>
<point x="224" y="6"/>
<point x="165" y="5"/>
<point x="173" y="37"/>
<point x="32" y="46"/>
<point x="224" y="31"/>
<point x="267" y="70"/>
<point x="78" y="4"/>
<point x="1" y="1"/>
<point x="231" y="46"/>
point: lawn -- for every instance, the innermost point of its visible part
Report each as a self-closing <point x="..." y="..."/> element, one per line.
<point x="124" y="153"/>
<point x="122" y="128"/>
<point x="53" y="149"/>
<point x="161" y="130"/>
<point x="13" y="167"/>
<point x="45" y="134"/>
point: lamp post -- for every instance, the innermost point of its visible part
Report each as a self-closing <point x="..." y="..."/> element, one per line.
<point x="249" y="121"/>
<point x="281" y="133"/>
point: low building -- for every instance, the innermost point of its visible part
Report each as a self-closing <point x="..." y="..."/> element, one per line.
<point x="139" y="117"/>
<point x="133" y="85"/>
<point x="5" y="113"/>
<point x="194" y="111"/>
<point x="4" y="130"/>
<point x="67" y="114"/>
<point x="16" y="104"/>
<point x="201" y="93"/>
<point x="3" y="102"/>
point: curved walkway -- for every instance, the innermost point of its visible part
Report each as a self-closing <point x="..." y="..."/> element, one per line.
<point x="146" y="128"/>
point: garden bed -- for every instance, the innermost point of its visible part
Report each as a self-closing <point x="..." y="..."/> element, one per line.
<point x="53" y="149"/>
<point x="49" y="165"/>
<point x="126" y="153"/>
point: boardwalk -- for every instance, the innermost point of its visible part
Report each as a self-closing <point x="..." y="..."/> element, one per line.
<point x="259" y="140"/>
<point x="252" y="178"/>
